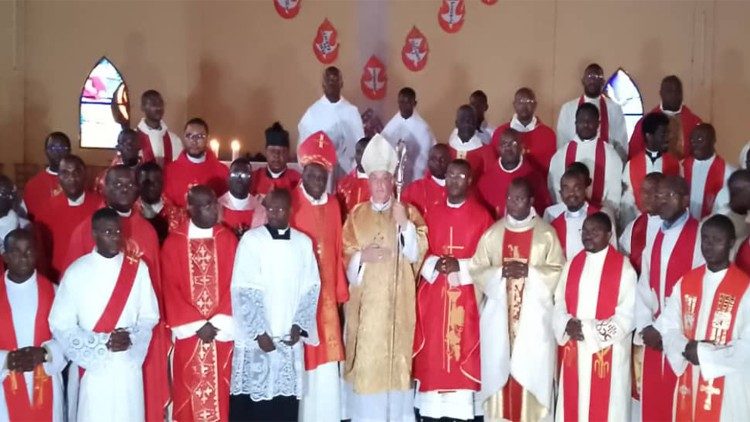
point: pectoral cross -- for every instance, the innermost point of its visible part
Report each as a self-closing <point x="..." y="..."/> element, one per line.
<point x="451" y="247"/>
<point x="710" y="391"/>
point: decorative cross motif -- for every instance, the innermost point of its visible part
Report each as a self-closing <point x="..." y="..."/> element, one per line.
<point x="710" y="391"/>
<point x="601" y="367"/>
<point x="451" y="247"/>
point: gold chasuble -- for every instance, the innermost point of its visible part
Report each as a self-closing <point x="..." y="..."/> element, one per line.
<point x="378" y="359"/>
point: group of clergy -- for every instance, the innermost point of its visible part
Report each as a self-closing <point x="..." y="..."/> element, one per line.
<point x="510" y="273"/>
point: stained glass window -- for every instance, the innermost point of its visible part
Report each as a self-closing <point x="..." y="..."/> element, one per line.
<point x="621" y="88"/>
<point x="104" y="106"/>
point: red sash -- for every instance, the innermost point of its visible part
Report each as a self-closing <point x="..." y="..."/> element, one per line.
<point x="561" y="226"/>
<point x="638" y="241"/>
<point x="680" y="262"/>
<point x="603" y="116"/>
<point x="600" y="163"/>
<point x="670" y="166"/>
<point x="148" y="151"/>
<point x="714" y="181"/>
<point x="743" y="256"/>
<point x="601" y="362"/>
<point x="20" y="408"/>
<point x="719" y="331"/>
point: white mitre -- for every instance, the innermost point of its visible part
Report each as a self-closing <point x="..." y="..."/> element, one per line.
<point x="379" y="155"/>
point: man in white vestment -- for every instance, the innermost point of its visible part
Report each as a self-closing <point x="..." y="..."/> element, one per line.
<point x="408" y="126"/>
<point x="158" y="143"/>
<point x="612" y="121"/>
<point x="102" y="316"/>
<point x="479" y="101"/>
<point x="275" y="288"/>
<point x="706" y="173"/>
<point x="706" y="333"/>
<point x="593" y="323"/>
<point x="338" y="118"/>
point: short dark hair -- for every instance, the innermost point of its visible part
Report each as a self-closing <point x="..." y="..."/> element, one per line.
<point x="577" y="168"/>
<point x="126" y="132"/>
<point x="115" y="168"/>
<point x="151" y="93"/>
<point x="75" y="159"/>
<point x="16" y="234"/>
<point x="601" y="218"/>
<point x="104" y="214"/>
<point x="721" y="222"/>
<point x="197" y="121"/>
<point x="408" y="92"/>
<point x="282" y="193"/>
<point x="587" y="107"/>
<point x="461" y="162"/>
<point x="56" y="135"/>
<point x="149" y="166"/>
<point x="653" y="121"/>
<point x="479" y="94"/>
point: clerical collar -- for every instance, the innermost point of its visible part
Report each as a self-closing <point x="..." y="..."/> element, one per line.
<point x="677" y="223"/>
<point x="361" y="175"/>
<point x="653" y="155"/>
<point x="323" y="198"/>
<point x="708" y="160"/>
<point x="456" y="143"/>
<point x="124" y="214"/>
<point x="517" y="125"/>
<point x="716" y="276"/>
<point x="341" y="97"/>
<point x="197" y="160"/>
<point x="104" y="258"/>
<point x="588" y="99"/>
<point x="195" y="232"/>
<point x="518" y="166"/>
<point x="238" y="204"/>
<point x="440" y="182"/>
<point x="28" y="282"/>
<point x="580" y="212"/>
<point x="274" y="175"/>
<point x="279" y="234"/>
<point x="152" y="209"/>
<point x="600" y="253"/>
<point x="144" y="127"/>
<point x="452" y="205"/>
<point x="670" y="113"/>
<point x="49" y="171"/>
<point x="78" y="201"/>
<point x="380" y="207"/>
<point x="584" y="141"/>
<point x="512" y="223"/>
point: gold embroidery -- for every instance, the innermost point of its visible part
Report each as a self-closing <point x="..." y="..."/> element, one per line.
<point x="710" y="391"/>
<point x="40" y="378"/>
<point x="601" y="366"/>
<point x="204" y="382"/>
<point x="722" y="319"/>
<point x="204" y="285"/>
<point x="689" y="313"/>
<point x="515" y="293"/>
<point x="448" y="250"/>
<point x="455" y="327"/>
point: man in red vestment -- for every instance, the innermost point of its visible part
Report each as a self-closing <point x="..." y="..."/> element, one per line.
<point x="158" y="143"/>
<point x="195" y="166"/>
<point x="121" y="192"/>
<point x="446" y="350"/>
<point x="512" y="164"/>
<point x="538" y="139"/>
<point x="681" y="121"/>
<point x="197" y="262"/>
<point x="275" y="174"/>
<point x="429" y="191"/>
<point x="466" y="143"/>
<point x="44" y="185"/>
<point x="240" y="211"/>
<point x="63" y="212"/>
<point x="152" y="204"/>
<point x="317" y="215"/>
<point x="353" y="188"/>
<point x="128" y="153"/>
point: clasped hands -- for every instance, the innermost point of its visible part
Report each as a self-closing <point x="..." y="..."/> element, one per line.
<point x="119" y="340"/>
<point x="265" y="342"/>
<point x="26" y="359"/>
<point x="515" y="269"/>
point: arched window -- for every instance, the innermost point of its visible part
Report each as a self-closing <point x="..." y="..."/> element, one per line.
<point x="621" y="88"/>
<point x="104" y="106"/>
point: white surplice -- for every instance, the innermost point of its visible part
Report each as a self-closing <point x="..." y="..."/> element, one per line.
<point x="23" y="299"/>
<point x="586" y="154"/>
<point x="731" y="361"/>
<point x="698" y="186"/>
<point x="574" y="226"/>
<point x="618" y="132"/>
<point x="112" y="387"/>
<point x="275" y="284"/>
<point x="598" y="335"/>
<point x="156" y="137"/>
<point x="342" y="123"/>
<point x="416" y="134"/>
<point x="628" y="208"/>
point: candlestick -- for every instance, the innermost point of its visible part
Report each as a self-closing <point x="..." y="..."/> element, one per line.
<point x="235" y="149"/>
<point x="214" y="145"/>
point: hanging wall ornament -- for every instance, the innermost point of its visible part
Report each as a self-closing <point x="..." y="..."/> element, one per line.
<point x="326" y="44"/>
<point x="489" y="2"/>
<point x="451" y="15"/>
<point x="287" y="9"/>
<point x="415" y="50"/>
<point x="374" y="80"/>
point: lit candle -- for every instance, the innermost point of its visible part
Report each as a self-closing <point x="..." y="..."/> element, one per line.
<point x="214" y="145"/>
<point x="235" y="149"/>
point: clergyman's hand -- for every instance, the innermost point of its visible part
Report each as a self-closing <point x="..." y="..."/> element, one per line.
<point x="294" y="335"/>
<point x="574" y="329"/>
<point x="375" y="253"/>
<point x="447" y="265"/>
<point x="691" y="352"/>
<point x="119" y="340"/>
<point x="207" y="333"/>
<point x="652" y="338"/>
<point x="265" y="343"/>
<point x="515" y="269"/>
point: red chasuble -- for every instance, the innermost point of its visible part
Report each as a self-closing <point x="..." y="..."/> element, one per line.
<point x="446" y="339"/>
<point x="262" y="182"/>
<point x="659" y="379"/>
<point x="688" y="121"/>
<point x="719" y="331"/>
<point x="38" y="191"/>
<point x="600" y="164"/>
<point x="182" y="174"/>
<point x="322" y="223"/>
<point x="480" y="159"/>
<point x="56" y="223"/>
<point x="197" y="276"/>
<point x="148" y="151"/>
<point x="424" y="194"/>
<point x="351" y="190"/>
<point x="494" y="183"/>
<point x="20" y="406"/>
<point x="539" y="145"/>
<point x="236" y="219"/>
<point x="142" y="242"/>
<point x="601" y="378"/>
<point x="670" y="167"/>
<point x="714" y="181"/>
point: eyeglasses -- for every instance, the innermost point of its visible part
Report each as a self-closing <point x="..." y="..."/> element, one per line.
<point x="121" y="185"/>
<point x="594" y="77"/>
<point x="669" y="195"/>
<point x="58" y="148"/>
<point x="111" y="232"/>
<point x="526" y="101"/>
<point x="237" y="175"/>
<point x="457" y="176"/>
<point x="196" y="136"/>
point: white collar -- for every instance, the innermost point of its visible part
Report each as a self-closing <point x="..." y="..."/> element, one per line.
<point x="707" y="161"/>
<point x="194" y="160"/>
<point x="323" y="198"/>
<point x="439" y="182"/>
<point x="517" y="125"/>
<point x="715" y="277"/>
<point x="579" y="213"/>
<point x="125" y="214"/>
<point x="143" y="127"/>
<point x="237" y="204"/>
<point x="49" y="171"/>
<point x="456" y="143"/>
<point x="512" y="223"/>
<point x="275" y="175"/>
<point x="578" y="139"/>
<point x="380" y="207"/>
<point x="195" y="232"/>
<point x="414" y="116"/>
<point x="588" y="99"/>
<point x="361" y="175"/>
<point x="78" y="201"/>
<point x="513" y="170"/>
<point x="451" y="205"/>
<point x="26" y="284"/>
<point x="156" y="207"/>
<point x="598" y="254"/>
<point x="341" y="100"/>
<point x="670" y="113"/>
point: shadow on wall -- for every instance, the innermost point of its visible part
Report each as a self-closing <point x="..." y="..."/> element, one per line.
<point x="135" y="58"/>
<point x="455" y="93"/>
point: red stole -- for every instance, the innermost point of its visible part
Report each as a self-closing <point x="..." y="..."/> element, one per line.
<point x="20" y="408"/>
<point x="601" y="361"/>
<point x="603" y="116"/>
<point x="148" y="151"/>
<point x="600" y="164"/>
<point x="714" y="181"/>
<point x="680" y="262"/>
<point x="638" y="241"/>
<point x="670" y="166"/>
<point x="743" y="256"/>
<point x="719" y="330"/>
<point x="561" y="226"/>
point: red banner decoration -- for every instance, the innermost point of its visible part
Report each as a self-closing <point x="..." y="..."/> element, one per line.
<point x="415" y="50"/>
<point x="326" y="44"/>
<point x="374" y="79"/>
<point x="287" y="9"/>
<point x="451" y="15"/>
<point x="489" y="2"/>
